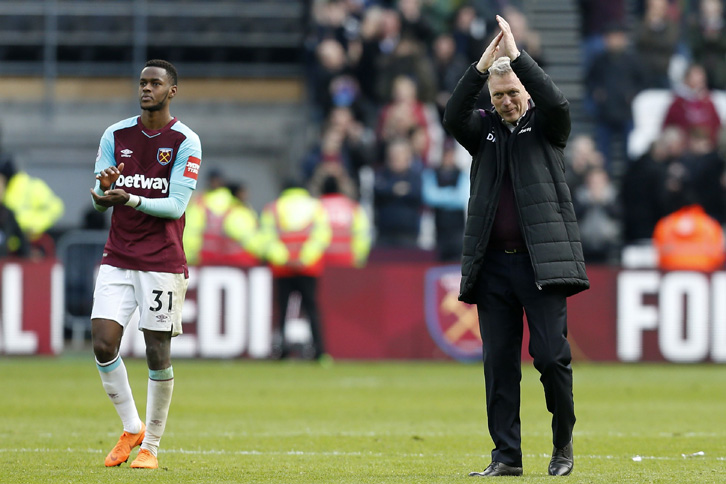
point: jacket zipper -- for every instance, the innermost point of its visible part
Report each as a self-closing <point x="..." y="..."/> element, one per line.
<point x="510" y="166"/>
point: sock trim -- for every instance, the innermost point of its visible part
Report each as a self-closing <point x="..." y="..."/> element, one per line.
<point x="110" y="366"/>
<point x="162" y="375"/>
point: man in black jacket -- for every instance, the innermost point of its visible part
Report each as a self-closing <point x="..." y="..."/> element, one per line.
<point x="522" y="250"/>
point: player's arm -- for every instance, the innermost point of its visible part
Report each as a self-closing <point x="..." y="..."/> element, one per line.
<point x="105" y="170"/>
<point x="182" y="182"/>
<point x="172" y="206"/>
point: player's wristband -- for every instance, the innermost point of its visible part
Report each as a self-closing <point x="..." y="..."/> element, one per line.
<point x="134" y="201"/>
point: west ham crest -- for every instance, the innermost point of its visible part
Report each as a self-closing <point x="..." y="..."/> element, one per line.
<point x="453" y="325"/>
<point x="163" y="156"/>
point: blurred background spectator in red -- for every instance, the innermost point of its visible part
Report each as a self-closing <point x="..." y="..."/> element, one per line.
<point x="692" y="108"/>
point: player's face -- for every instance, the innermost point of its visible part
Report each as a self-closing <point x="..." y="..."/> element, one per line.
<point x="508" y="96"/>
<point x="155" y="89"/>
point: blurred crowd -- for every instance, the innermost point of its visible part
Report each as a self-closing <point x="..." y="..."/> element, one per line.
<point x="379" y="74"/>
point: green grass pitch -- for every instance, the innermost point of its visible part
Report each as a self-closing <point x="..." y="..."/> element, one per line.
<point x="358" y="422"/>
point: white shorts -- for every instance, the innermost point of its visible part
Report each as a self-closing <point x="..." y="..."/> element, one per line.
<point x="158" y="295"/>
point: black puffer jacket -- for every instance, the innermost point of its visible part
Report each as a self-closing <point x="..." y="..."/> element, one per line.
<point x="535" y="157"/>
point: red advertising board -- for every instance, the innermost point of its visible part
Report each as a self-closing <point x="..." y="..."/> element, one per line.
<point x="31" y="307"/>
<point x="410" y="310"/>
<point x="394" y="310"/>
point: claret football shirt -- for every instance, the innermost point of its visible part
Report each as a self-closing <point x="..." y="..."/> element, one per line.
<point x="153" y="162"/>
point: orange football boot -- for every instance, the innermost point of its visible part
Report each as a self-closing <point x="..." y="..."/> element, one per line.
<point x="145" y="460"/>
<point x="120" y="453"/>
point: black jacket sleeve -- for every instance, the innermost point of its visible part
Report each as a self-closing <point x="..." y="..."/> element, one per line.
<point x="461" y="119"/>
<point x="553" y="109"/>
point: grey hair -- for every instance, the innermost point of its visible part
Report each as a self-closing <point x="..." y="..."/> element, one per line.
<point x="501" y="67"/>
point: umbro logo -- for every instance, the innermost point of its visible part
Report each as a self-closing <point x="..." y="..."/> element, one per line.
<point x="126" y="153"/>
<point x="525" y="130"/>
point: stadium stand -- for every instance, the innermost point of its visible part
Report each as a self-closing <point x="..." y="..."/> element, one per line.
<point x="77" y="37"/>
<point x="557" y="22"/>
<point x="68" y="66"/>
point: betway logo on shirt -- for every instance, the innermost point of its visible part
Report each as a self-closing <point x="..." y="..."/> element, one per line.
<point x="140" y="181"/>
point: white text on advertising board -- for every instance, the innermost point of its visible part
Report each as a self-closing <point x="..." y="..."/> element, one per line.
<point x="687" y="309"/>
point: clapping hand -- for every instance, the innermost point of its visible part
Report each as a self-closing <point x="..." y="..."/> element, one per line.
<point x="502" y="44"/>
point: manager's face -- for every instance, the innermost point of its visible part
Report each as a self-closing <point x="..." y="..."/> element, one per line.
<point x="508" y="96"/>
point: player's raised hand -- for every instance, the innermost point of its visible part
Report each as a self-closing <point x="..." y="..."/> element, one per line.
<point x="490" y="54"/>
<point x="108" y="176"/>
<point x="507" y="44"/>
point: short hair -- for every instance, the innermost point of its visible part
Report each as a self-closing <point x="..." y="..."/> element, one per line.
<point x="330" y="185"/>
<point x="501" y="67"/>
<point x="167" y="66"/>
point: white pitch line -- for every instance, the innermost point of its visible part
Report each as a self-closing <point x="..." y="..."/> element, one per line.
<point x="636" y="458"/>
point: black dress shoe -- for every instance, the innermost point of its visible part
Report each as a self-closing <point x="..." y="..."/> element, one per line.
<point x="562" y="461"/>
<point x="498" y="469"/>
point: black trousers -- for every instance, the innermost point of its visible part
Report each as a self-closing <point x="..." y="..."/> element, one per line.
<point x="307" y="287"/>
<point x="506" y="289"/>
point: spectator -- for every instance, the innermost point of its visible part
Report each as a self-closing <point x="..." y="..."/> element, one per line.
<point x="13" y="242"/>
<point x="409" y="59"/>
<point x="677" y="176"/>
<point x="692" y="108"/>
<point x="380" y="37"/>
<point x="598" y="211"/>
<point x="404" y="114"/>
<point x="597" y="16"/>
<point x="397" y="197"/>
<point x="689" y="240"/>
<point x="705" y="178"/>
<point x="374" y="42"/>
<point x="656" y="41"/>
<point x="612" y="81"/>
<point x="448" y="66"/>
<point x="359" y="141"/>
<point x="581" y="157"/>
<point x="329" y="149"/>
<point x="643" y="188"/>
<point x="439" y="14"/>
<point x="469" y="32"/>
<point x="216" y="179"/>
<point x="295" y="233"/>
<point x="707" y="40"/>
<point x="329" y="20"/>
<point x="413" y="23"/>
<point x="325" y="170"/>
<point x="239" y="190"/>
<point x="351" y="228"/>
<point x="446" y="191"/>
<point x="330" y="84"/>
<point x="34" y="204"/>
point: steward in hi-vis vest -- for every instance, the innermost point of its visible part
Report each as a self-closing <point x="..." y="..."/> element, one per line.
<point x="295" y="233"/>
<point x="221" y="230"/>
